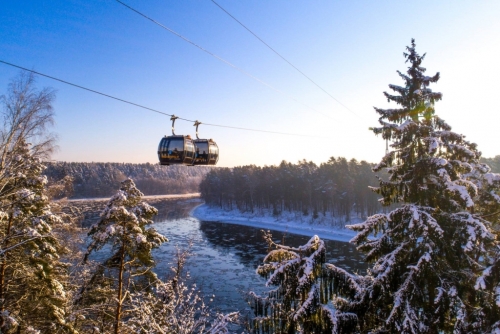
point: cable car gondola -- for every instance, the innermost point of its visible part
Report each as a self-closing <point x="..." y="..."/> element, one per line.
<point x="207" y="151"/>
<point x="176" y="149"/>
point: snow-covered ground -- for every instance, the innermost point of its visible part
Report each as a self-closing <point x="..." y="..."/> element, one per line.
<point x="295" y="223"/>
<point x="171" y="196"/>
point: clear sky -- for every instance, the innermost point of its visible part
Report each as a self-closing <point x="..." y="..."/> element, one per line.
<point x="350" y="48"/>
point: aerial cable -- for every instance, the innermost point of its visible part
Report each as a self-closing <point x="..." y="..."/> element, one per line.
<point x="279" y="55"/>
<point x="280" y="133"/>
<point x="151" y="109"/>
<point x="221" y="59"/>
<point x="81" y="87"/>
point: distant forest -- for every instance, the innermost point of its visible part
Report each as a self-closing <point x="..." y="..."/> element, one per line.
<point x="494" y="163"/>
<point x="334" y="186"/>
<point x="338" y="187"/>
<point x="95" y="179"/>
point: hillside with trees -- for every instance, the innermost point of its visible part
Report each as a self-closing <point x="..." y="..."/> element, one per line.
<point x="95" y="179"/>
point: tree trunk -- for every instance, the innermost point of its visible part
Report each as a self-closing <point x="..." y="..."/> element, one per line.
<point x="120" y="285"/>
<point x="4" y="265"/>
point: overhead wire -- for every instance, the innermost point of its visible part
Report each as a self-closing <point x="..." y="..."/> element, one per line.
<point x="279" y="55"/>
<point x="151" y="109"/>
<point x="221" y="59"/>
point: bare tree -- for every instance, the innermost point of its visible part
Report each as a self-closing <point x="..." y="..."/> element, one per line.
<point x="27" y="113"/>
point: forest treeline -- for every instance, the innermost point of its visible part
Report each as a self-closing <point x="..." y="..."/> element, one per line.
<point x="97" y="179"/>
<point x="338" y="188"/>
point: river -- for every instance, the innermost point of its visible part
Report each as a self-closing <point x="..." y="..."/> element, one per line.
<point x="225" y="256"/>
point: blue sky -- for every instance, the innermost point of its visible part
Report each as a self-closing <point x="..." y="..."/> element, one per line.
<point x="350" y="48"/>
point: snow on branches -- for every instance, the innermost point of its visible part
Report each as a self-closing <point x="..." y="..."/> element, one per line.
<point x="302" y="298"/>
<point x="33" y="279"/>
<point x="123" y="227"/>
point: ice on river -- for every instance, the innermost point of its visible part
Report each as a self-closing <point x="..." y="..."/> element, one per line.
<point x="286" y="222"/>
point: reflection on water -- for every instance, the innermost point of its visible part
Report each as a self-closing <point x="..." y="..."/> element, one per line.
<point x="225" y="256"/>
<point x="171" y="210"/>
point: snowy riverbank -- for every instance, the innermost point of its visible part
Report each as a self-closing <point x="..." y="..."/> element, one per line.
<point x="146" y="198"/>
<point x="287" y="222"/>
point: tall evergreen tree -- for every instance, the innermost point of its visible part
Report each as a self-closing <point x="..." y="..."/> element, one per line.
<point x="428" y="253"/>
<point x="32" y="278"/>
<point x="123" y="228"/>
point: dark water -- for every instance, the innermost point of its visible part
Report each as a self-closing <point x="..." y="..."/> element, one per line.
<point x="225" y="256"/>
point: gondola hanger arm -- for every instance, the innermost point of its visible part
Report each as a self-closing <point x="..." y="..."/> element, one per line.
<point x="173" y="118"/>
<point x="197" y="123"/>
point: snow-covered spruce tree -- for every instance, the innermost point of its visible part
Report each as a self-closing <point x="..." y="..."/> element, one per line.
<point x="122" y="227"/>
<point x="32" y="278"/>
<point x="300" y="301"/>
<point x="428" y="254"/>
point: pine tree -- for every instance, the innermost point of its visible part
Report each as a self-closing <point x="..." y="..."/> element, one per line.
<point x="32" y="278"/>
<point x="428" y="253"/>
<point x="123" y="228"/>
